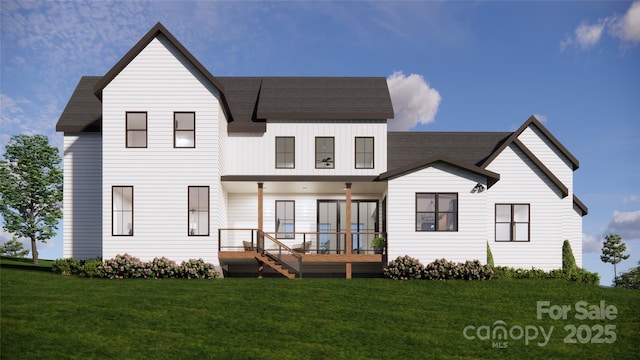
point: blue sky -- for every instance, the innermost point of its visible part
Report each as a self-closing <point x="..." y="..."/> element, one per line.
<point x="451" y="66"/>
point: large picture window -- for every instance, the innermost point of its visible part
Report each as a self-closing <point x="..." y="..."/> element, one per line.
<point x="512" y="222"/>
<point x="285" y="219"/>
<point x="136" y="134"/>
<point x="184" y="129"/>
<point x="436" y="212"/>
<point x="285" y="152"/>
<point x="364" y="153"/>
<point x="198" y="211"/>
<point x="122" y="210"/>
<point x="325" y="157"/>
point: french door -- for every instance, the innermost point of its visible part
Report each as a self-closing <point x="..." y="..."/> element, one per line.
<point x="331" y="220"/>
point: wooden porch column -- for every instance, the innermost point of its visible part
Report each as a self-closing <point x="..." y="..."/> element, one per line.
<point x="260" y="201"/>
<point x="348" y="242"/>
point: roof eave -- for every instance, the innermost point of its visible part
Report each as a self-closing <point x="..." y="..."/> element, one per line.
<point x="491" y="176"/>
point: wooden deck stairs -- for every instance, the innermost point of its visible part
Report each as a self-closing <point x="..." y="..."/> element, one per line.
<point x="275" y="265"/>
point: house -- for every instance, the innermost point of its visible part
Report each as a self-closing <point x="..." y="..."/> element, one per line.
<point x="260" y="174"/>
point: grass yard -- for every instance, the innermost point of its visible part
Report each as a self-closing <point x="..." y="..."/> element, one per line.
<point x="48" y="316"/>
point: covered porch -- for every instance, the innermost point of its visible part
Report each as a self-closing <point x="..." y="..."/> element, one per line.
<point x="299" y="227"/>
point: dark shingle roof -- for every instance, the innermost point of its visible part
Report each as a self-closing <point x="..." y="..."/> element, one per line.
<point x="83" y="112"/>
<point x="470" y="148"/>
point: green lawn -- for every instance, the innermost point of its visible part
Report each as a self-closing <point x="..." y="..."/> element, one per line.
<point x="48" y="316"/>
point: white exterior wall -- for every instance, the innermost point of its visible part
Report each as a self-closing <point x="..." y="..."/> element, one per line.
<point x="468" y="243"/>
<point x="82" y="228"/>
<point x="255" y="154"/>
<point x="549" y="155"/>
<point x="522" y="182"/>
<point x="159" y="81"/>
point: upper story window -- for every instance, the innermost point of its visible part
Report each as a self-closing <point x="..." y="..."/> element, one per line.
<point x="436" y="212"/>
<point x="325" y="157"/>
<point x="364" y="153"/>
<point x="198" y="210"/>
<point x="122" y="210"/>
<point x="285" y="152"/>
<point x="184" y="129"/>
<point x="136" y="136"/>
<point x="285" y="219"/>
<point x="512" y="222"/>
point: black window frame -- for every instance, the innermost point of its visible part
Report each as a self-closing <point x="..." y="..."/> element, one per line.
<point x="279" y="220"/>
<point x="128" y="130"/>
<point x="321" y="159"/>
<point x="512" y="222"/>
<point x="192" y="210"/>
<point x="436" y="212"/>
<point x="121" y="211"/>
<point x="282" y="164"/>
<point x="373" y="147"/>
<point x="176" y="130"/>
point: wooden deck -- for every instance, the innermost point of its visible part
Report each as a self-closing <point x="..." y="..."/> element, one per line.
<point x="307" y="258"/>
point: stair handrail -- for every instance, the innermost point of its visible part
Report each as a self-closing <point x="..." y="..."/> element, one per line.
<point x="260" y="248"/>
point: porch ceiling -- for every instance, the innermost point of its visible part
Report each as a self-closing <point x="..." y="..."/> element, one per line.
<point x="304" y="187"/>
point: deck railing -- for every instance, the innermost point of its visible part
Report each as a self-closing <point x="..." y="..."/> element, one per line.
<point x="246" y="239"/>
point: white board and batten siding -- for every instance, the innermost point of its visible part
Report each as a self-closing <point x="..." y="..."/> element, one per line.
<point x="160" y="81"/>
<point x="468" y="243"/>
<point x="255" y="154"/>
<point x="82" y="228"/>
<point x="521" y="182"/>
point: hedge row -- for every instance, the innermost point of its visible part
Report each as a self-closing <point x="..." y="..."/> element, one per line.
<point x="129" y="267"/>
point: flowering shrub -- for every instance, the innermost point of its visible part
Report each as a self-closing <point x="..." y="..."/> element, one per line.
<point x="197" y="269"/>
<point x="163" y="268"/>
<point x="126" y="267"/>
<point x="404" y="268"/>
<point x="442" y="269"/>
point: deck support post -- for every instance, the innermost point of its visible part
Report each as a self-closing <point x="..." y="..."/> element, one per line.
<point x="260" y="202"/>
<point x="260" y="269"/>
<point x="347" y="241"/>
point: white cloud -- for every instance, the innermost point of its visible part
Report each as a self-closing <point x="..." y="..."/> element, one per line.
<point x="414" y="101"/>
<point x="541" y="117"/>
<point x="627" y="28"/>
<point x="591" y="244"/>
<point x="625" y="224"/>
<point x="631" y="198"/>
<point x="588" y="35"/>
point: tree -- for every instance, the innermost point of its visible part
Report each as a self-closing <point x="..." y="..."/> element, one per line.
<point x="31" y="189"/>
<point x="629" y="279"/>
<point x="568" y="260"/>
<point x="613" y="251"/>
<point x="13" y="248"/>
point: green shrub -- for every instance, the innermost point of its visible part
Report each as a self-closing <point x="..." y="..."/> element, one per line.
<point x="66" y="266"/>
<point x="489" y="256"/>
<point x="404" y="268"/>
<point x="577" y="274"/>
<point x="163" y="268"/>
<point x="629" y="279"/>
<point x="197" y="269"/>
<point x="90" y="268"/>
<point x="568" y="260"/>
